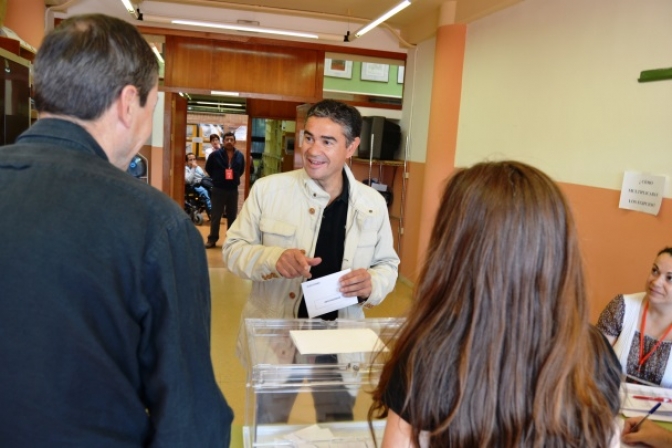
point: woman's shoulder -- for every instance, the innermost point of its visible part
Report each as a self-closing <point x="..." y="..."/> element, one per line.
<point x="636" y="298"/>
<point x="611" y="318"/>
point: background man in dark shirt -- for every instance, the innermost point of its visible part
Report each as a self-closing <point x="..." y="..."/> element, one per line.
<point x="225" y="166"/>
<point x="105" y="296"/>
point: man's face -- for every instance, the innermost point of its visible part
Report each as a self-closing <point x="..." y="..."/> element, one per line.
<point x="229" y="142"/>
<point x="325" y="150"/>
<point x="191" y="161"/>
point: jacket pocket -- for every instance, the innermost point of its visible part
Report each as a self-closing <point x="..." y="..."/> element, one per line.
<point x="366" y="246"/>
<point x="277" y="233"/>
<point x="368" y="220"/>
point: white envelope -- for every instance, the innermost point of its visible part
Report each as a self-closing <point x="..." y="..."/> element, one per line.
<point x="322" y="295"/>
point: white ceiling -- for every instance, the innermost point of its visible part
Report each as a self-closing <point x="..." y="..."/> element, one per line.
<point x="416" y="23"/>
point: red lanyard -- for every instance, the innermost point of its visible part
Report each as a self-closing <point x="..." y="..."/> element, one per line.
<point x="643" y="357"/>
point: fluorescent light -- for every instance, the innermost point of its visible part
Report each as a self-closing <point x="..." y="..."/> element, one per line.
<point x="381" y="19"/>
<point x="250" y="29"/>
<point x="128" y="6"/>
<point x="243" y="27"/>
<point x="219" y="104"/>
<point x="157" y="53"/>
<point x="222" y="93"/>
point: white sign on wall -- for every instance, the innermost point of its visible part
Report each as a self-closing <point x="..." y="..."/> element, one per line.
<point x="642" y="192"/>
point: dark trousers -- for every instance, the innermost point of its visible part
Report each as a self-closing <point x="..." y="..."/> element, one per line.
<point x="332" y="405"/>
<point x="222" y="201"/>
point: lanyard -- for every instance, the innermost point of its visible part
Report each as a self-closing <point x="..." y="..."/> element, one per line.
<point x="225" y="157"/>
<point x="643" y="357"/>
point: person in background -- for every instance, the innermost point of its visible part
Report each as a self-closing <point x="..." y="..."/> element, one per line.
<point x="210" y="149"/>
<point x="639" y="326"/>
<point x="309" y="223"/>
<point x="497" y="350"/>
<point x="215" y="145"/>
<point x="193" y="175"/>
<point x="225" y="166"/>
<point x="209" y="130"/>
<point x="649" y="434"/>
<point x="105" y="304"/>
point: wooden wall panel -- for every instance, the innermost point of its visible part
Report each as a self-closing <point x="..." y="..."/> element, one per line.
<point x="285" y="110"/>
<point x="253" y="69"/>
<point x="188" y="62"/>
<point x="266" y="70"/>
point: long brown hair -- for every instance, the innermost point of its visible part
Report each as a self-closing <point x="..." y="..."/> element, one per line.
<point x="497" y="350"/>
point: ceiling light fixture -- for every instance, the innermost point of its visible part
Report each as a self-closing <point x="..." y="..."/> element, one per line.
<point x="129" y="7"/>
<point x="222" y="93"/>
<point x="365" y="29"/>
<point x="242" y="25"/>
<point x="157" y="53"/>
<point x="210" y="103"/>
<point x="249" y="29"/>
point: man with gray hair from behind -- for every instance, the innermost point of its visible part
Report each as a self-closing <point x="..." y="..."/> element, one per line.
<point x="105" y="296"/>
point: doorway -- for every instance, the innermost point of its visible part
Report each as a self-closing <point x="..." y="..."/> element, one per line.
<point x="271" y="146"/>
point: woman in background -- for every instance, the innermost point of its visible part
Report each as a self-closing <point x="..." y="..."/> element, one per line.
<point x="497" y="350"/>
<point x="639" y="326"/>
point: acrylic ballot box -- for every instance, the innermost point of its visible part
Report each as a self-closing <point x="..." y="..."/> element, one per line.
<point x="309" y="381"/>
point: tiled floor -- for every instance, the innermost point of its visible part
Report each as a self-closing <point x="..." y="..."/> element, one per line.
<point x="229" y="293"/>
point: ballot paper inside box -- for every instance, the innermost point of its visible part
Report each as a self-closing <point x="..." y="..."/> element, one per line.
<point x="309" y="380"/>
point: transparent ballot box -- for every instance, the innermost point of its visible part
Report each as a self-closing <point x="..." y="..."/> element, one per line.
<point x="309" y="381"/>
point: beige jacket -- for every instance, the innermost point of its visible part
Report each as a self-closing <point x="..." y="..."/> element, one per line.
<point x="284" y="211"/>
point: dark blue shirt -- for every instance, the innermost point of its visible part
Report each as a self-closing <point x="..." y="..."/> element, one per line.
<point x="104" y="305"/>
<point x="218" y="162"/>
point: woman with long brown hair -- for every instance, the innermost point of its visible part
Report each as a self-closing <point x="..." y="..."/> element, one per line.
<point x="497" y="350"/>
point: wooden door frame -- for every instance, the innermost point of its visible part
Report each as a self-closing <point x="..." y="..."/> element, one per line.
<point x="174" y="138"/>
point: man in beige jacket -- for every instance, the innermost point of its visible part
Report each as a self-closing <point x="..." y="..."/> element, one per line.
<point x="313" y="222"/>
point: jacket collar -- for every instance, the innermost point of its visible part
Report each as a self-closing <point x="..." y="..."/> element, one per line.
<point x="65" y="134"/>
<point x="313" y="189"/>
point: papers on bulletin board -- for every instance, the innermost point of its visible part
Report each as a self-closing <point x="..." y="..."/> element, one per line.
<point x="642" y="192"/>
<point x="322" y="295"/>
<point x="636" y="407"/>
<point x="340" y="340"/>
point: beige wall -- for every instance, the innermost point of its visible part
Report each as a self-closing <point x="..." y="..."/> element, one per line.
<point x="554" y="83"/>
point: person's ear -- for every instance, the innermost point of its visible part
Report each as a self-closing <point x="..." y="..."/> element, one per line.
<point x="126" y="104"/>
<point x="350" y="150"/>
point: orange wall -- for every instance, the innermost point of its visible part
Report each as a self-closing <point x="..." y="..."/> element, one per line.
<point x="413" y="224"/>
<point x="618" y="246"/>
<point x="443" y="125"/>
<point x="26" y="18"/>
